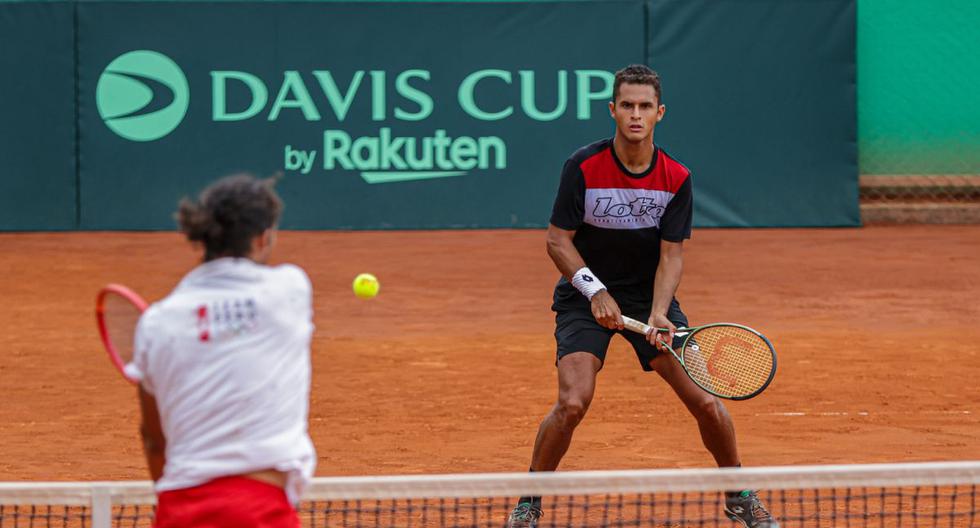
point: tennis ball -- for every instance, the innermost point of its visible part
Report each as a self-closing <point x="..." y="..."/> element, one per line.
<point x="366" y="286"/>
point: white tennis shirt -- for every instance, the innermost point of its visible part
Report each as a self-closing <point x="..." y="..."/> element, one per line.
<point x="227" y="357"/>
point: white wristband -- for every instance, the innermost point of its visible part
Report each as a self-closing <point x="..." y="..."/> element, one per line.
<point x="587" y="283"/>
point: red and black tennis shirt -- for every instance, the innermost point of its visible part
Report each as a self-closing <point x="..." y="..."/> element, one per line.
<point x="619" y="218"/>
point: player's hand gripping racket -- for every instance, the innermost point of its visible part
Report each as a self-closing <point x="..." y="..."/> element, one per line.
<point x="728" y="360"/>
<point x="117" y="310"/>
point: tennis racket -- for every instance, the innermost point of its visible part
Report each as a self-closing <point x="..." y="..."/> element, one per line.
<point x="117" y="310"/>
<point x="728" y="360"/>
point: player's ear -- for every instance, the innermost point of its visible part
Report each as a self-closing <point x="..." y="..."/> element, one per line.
<point x="269" y="237"/>
<point x="262" y="245"/>
<point x="612" y="109"/>
<point x="661" y="110"/>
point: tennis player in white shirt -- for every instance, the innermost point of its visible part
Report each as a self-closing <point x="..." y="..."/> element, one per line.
<point x="224" y="370"/>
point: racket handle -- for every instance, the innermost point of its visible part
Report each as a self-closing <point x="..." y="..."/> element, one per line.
<point x="645" y="329"/>
<point x="636" y="326"/>
<point x="642" y="328"/>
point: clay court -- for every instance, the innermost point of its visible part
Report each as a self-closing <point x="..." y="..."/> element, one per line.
<point x="450" y="368"/>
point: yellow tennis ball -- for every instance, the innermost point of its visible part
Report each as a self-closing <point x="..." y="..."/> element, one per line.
<point x="366" y="286"/>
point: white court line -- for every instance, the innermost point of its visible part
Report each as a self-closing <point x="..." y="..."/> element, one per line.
<point x="861" y="413"/>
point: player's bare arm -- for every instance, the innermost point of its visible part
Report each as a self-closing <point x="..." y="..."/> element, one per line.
<point x="666" y="281"/>
<point x="154" y="443"/>
<point x="562" y="251"/>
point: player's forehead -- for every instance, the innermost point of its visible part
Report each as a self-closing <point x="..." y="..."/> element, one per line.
<point x="636" y="93"/>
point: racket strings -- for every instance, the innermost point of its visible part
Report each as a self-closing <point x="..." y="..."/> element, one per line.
<point x="120" y="317"/>
<point x="728" y="360"/>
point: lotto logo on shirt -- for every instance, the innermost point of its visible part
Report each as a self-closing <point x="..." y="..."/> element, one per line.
<point x="625" y="208"/>
<point x="227" y="317"/>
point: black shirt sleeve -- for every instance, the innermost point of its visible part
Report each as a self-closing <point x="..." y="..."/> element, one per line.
<point x="569" y="209"/>
<point x="675" y="225"/>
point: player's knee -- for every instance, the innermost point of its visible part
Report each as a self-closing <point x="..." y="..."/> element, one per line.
<point x="710" y="408"/>
<point x="570" y="412"/>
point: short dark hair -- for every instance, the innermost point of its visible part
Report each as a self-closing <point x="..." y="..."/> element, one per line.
<point x="229" y="214"/>
<point x="637" y="74"/>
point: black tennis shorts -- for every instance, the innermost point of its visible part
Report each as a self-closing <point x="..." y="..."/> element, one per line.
<point x="576" y="330"/>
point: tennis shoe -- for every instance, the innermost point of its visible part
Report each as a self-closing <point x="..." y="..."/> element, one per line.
<point x="525" y="515"/>
<point x="747" y="509"/>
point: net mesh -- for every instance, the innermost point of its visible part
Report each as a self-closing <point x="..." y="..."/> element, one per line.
<point x="931" y="199"/>
<point x="885" y="507"/>
<point x="913" y="495"/>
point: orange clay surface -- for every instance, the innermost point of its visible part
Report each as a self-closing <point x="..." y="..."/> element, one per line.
<point x="450" y="368"/>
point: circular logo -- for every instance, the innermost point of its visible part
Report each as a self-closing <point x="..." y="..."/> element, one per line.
<point x="142" y="95"/>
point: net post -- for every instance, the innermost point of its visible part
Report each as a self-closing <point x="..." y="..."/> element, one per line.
<point x="101" y="507"/>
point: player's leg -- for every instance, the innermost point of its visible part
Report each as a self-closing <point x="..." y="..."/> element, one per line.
<point x="714" y="423"/>
<point x="718" y="434"/>
<point x="582" y="344"/>
<point x="581" y="349"/>
<point x="576" y="386"/>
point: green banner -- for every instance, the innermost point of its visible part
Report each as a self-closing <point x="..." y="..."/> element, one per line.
<point x="416" y="115"/>
<point x="37" y="116"/>
<point x="382" y="115"/>
<point x="760" y="102"/>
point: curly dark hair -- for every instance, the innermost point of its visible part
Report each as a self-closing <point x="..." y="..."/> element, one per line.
<point x="229" y="214"/>
<point x="637" y="74"/>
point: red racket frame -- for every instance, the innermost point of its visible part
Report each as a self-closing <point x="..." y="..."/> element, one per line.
<point x="130" y="296"/>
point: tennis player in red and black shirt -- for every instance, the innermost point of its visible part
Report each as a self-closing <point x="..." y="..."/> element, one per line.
<point x="622" y="213"/>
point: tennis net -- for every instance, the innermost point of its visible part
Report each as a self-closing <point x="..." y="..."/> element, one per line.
<point x="879" y="495"/>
